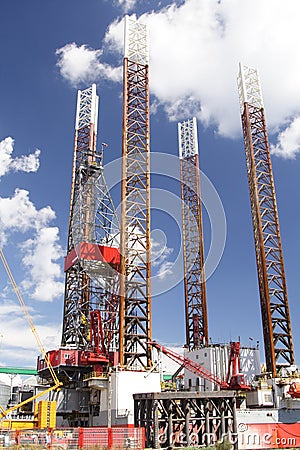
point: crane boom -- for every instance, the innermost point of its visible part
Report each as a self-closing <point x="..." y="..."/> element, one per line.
<point x="234" y="379"/>
<point x="192" y="366"/>
<point x="56" y="381"/>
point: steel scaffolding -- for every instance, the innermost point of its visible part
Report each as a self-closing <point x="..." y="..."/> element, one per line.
<point x="135" y="299"/>
<point x="277" y="332"/>
<point x="183" y="419"/>
<point x="192" y="233"/>
<point x="90" y="320"/>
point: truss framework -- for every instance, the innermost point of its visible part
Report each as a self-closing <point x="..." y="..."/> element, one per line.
<point x="186" y="418"/>
<point x="92" y="285"/>
<point x="269" y="257"/>
<point x="192" y="232"/>
<point x="135" y="300"/>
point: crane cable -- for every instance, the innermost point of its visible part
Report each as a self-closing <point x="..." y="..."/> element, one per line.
<point x="28" y="318"/>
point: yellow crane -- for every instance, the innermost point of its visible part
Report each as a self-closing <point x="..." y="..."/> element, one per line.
<point x="56" y="383"/>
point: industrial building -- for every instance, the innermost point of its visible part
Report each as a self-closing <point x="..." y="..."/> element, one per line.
<point x="107" y="372"/>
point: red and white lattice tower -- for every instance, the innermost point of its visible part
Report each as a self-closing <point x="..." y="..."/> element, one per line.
<point x="192" y="232"/>
<point x="135" y="295"/>
<point x="276" y="323"/>
<point x="90" y="321"/>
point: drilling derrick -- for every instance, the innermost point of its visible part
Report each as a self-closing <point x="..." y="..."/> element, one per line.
<point x="277" y="332"/>
<point x="90" y="322"/>
<point x="135" y="295"/>
<point x="192" y="232"/>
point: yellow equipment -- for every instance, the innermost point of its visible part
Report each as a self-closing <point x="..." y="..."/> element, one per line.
<point x="45" y="414"/>
<point x="57" y="384"/>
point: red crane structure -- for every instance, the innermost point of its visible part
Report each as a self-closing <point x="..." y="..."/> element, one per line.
<point x="279" y="350"/>
<point x="135" y="289"/>
<point x="192" y="232"/>
<point x="234" y="379"/>
<point x="107" y="302"/>
<point x="93" y="256"/>
<point x="91" y="301"/>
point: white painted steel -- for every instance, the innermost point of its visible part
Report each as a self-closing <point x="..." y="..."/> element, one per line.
<point x="215" y="359"/>
<point x="136" y="41"/>
<point x="87" y="108"/>
<point x="269" y="415"/>
<point x="116" y="400"/>
<point x="188" y="138"/>
<point x="249" y="87"/>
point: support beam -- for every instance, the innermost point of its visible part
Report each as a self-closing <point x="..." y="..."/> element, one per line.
<point x="186" y="418"/>
<point x="279" y="349"/>
<point x="92" y="282"/>
<point x="192" y="232"/>
<point x="135" y="301"/>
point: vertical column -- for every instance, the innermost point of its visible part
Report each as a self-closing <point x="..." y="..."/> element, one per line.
<point x="77" y="284"/>
<point x="192" y="232"/>
<point x="91" y="288"/>
<point x="135" y="301"/>
<point x="277" y="332"/>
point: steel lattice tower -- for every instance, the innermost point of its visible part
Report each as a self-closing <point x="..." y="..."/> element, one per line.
<point x="192" y="232"/>
<point x="278" y="342"/>
<point x="91" y="302"/>
<point x="135" y="300"/>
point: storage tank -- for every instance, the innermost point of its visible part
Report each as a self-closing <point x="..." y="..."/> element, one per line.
<point x="4" y="394"/>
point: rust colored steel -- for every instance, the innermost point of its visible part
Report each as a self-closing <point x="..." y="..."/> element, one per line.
<point x="135" y="292"/>
<point x="279" y="350"/>
<point x="193" y="249"/>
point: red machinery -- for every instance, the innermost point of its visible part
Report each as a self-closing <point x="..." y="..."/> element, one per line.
<point x="294" y="390"/>
<point x="234" y="379"/>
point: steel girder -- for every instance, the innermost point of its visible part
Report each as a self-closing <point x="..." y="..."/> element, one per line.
<point x="135" y="299"/>
<point x="91" y="285"/>
<point x="186" y="418"/>
<point x="277" y="331"/>
<point x="192" y="232"/>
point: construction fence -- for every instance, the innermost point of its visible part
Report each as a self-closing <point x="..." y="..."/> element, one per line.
<point x="74" y="438"/>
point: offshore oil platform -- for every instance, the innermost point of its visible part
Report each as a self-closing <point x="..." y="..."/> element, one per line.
<point x="106" y="373"/>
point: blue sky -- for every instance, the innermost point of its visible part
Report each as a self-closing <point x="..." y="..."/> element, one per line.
<point x="50" y="49"/>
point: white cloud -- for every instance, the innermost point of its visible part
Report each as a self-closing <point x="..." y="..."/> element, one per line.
<point x="165" y="269"/>
<point x="43" y="275"/>
<point x="19" y="216"/>
<point x="126" y="5"/>
<point x="18" y="213"/>
<point x="195" y="48"/>
<point x="18" y="345"/>
<point x="40" y="256"/>
<point x="80" y="64"/>
<point x="28" y="163"/>
<point x="288" y="141"/>
<point x="13" y="318"/>
<point x="160" y="253"/>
